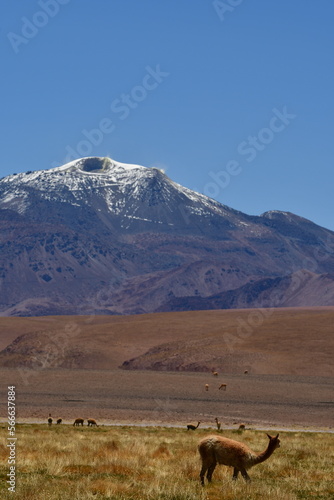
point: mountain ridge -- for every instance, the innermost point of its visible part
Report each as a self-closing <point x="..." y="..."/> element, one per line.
<point x="112" y="238"/>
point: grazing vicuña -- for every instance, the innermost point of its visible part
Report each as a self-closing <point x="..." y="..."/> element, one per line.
<point x="78" y="421"/>
<point x="91" y="422"/>
<point x="220" y="450"/>
<point x="192" y="427"/>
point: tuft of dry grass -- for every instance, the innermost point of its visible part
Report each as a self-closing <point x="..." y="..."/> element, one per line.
<point x="156" y="463"/>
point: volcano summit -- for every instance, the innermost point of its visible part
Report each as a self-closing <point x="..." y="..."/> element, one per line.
<point x="102" y="237"/>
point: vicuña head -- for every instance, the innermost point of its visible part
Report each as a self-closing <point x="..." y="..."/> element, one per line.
<point x="220" y="450"/>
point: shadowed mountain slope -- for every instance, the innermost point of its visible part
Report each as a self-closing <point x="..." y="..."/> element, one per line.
<point x="101" y="237"/>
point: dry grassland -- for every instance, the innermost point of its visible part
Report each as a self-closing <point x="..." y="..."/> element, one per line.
<point x="156" y="463"/>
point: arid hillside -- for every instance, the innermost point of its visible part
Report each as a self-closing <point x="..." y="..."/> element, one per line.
<point x="262" y="341"/>
<point x="156" y="368"/>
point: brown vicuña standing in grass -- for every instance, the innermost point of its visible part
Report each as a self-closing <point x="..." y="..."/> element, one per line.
<point x="91" y="422"/>
<point x="220" y="450"/>
<point x="222" y="387"/>
<point x="218" y="424"/>
<point x="192" y="427"/>
<point x="78" y="421"/>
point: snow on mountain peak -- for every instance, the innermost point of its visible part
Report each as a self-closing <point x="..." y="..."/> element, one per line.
<point x="125" y="188"/>
<point x="78" y="174"/>
<point x="97" y="165"/>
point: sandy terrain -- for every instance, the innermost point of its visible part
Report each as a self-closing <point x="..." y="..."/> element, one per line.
<point x="288" y="355"/>
<point x="125" y="397"/>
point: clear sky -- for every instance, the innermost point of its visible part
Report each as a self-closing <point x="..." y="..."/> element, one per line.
<point x="232" y="98"/>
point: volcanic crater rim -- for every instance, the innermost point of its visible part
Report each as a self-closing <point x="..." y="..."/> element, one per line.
<point x="94" y="164"/>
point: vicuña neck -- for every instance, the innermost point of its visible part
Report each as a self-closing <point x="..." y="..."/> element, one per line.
<point x="264" y="455"/>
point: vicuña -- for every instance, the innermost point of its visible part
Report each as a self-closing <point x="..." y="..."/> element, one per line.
<point x="220" y="450"/>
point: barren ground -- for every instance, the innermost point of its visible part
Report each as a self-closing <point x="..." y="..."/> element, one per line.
<point x="274" y="393"/>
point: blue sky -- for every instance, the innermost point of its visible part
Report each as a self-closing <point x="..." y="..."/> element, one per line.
<point x="232" y="98"/>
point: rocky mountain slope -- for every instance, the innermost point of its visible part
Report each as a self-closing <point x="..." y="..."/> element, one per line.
<point x="96" y="236"/>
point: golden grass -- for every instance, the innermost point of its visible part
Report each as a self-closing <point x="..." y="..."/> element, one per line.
<point x="156" y="463"/>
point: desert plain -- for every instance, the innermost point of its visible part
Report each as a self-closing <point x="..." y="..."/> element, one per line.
<point x="156" y="369"/>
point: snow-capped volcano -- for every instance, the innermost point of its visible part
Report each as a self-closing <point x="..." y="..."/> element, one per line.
<point x="104" y="236"/>
<point x="127" y="192"/>
<point x="86" y="175"/>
